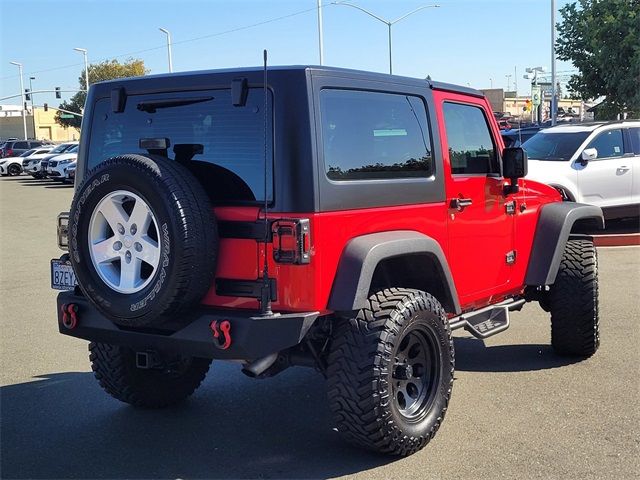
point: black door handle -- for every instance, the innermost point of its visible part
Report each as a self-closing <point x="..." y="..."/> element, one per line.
<point x="460" y="203"/>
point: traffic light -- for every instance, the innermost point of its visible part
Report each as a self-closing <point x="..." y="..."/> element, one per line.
<point x="527" y="105"/>
<point x="46" y="107"/>
<point x="58" y="94"/>
<point x="27" y="94"/>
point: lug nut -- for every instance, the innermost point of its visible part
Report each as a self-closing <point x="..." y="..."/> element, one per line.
<point x="117" y="246"/>
<point x="127" y="257"/>
<point x="120" y="229"/>
<point x="138" y="246"/>
<point x="133" y="229"/>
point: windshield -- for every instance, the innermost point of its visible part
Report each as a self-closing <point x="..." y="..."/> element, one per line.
<point x="60" y="148"/>
<point x="73" y="149"/>
<point x="28" y="152"/>
<point x="554" y="146"/>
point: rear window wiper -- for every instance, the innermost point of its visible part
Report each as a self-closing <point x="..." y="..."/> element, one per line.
<point x="150" y="106"/>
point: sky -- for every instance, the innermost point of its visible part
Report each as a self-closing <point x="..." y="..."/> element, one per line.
<point x="467" y="42"/>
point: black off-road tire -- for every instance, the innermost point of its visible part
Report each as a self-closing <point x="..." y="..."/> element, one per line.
<point x="573" y="301"/>
<point x="14" y="170"/>
<point x="116" y="370"/>
<point x="187" y="237"/>
<point x="361" y="378"/>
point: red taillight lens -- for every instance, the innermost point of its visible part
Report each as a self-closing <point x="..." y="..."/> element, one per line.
<point x="292" y="241"/>
<point x="9" y="153"/>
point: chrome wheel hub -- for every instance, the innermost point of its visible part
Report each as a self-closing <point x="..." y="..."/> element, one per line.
<point x="124" y="241"/>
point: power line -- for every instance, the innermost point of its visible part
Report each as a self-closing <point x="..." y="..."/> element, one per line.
<point x="195" y="39"/>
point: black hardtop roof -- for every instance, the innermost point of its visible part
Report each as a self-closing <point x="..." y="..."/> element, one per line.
<point x="314" y="69"/>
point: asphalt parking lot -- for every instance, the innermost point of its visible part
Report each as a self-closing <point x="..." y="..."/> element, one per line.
<point x="517" y="411"/>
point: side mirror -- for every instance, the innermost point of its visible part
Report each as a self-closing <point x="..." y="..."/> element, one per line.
<point x="588" y="154"/>
<point x="514" y="166"/>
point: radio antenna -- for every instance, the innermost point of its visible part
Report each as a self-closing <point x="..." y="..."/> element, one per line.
<point x="265" y="291"/>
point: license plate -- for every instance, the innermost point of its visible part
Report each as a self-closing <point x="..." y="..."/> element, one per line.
<point x="62" y="275"/>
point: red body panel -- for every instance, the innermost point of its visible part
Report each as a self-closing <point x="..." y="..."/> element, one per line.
<point x="474" y="240"/>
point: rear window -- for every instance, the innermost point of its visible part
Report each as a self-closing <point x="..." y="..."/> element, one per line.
<point x="232" y="137"/>
<point x="554" y="146"/>
<point x="371" y="135"/>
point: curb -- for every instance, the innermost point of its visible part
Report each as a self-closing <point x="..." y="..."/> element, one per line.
<point x="616" y="240"/>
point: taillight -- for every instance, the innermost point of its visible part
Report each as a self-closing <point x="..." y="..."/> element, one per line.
<point x="291" y="241"/>
<point x="9" y="153"/>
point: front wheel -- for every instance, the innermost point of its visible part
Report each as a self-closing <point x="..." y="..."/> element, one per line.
<point x="164" y="381"/>
<point x="390" y="372"/>
<point x="14" y="169"/>
<point x="573" y="301"/>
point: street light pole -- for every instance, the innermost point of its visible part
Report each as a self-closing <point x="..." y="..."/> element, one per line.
<point x="24" y="118"/>
<point x="388" y="23"/>
<point x="168" y="34"/>
<point x="320" y="41"/>
<point x="86" y="66"/>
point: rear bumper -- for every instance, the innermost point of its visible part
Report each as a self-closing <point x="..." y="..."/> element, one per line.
<point x="252" y="336"/>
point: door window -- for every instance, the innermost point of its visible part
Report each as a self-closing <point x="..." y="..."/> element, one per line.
<point x="608" y="144"/>
<point x="471" y="147"/>
<point x="635" y="139"/>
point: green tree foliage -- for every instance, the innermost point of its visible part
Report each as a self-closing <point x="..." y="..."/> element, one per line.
<point x="107" y="70"/>
<point x="602" y="40"/>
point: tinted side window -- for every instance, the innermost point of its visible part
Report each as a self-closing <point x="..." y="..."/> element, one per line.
<point x="635" y="139"/>
<point x="372" y="135"/>
<point x="471" y="148"/>
<point x="21" y="145"/>
<point x="609" y="144"/>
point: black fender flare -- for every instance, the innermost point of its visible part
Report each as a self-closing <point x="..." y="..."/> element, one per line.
<point x="362" y="255"/>
<point x="552" y="232"/>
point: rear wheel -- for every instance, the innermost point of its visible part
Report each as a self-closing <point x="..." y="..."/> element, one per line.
<point x="390" y="372"/>
<point x="573" y="301"/>
<point x="166" y="381"/>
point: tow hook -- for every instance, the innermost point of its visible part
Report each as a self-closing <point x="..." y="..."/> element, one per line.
<point x="69" y="315"/>
<point x="221" y="334"/>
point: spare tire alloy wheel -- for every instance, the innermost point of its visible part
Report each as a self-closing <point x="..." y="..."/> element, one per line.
<point x="124" y="248"/>
<point x="142" y="240"/>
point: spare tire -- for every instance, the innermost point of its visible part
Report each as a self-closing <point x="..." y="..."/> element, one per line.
<point x="143" y="240"/>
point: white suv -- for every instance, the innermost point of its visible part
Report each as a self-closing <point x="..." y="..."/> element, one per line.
<point x="597" y="163"/>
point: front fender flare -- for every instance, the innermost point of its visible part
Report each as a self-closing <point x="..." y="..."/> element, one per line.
<point x="362" y="255"/>
<point x="552" y="232"/>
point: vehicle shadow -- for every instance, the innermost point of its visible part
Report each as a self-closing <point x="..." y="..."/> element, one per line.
<point x="60" y="185"/>
<point x="472" y="355"/>
<point x="64" y="426"/>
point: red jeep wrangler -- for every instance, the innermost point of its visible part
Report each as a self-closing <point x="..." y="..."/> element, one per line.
<point x="335" y="219"/>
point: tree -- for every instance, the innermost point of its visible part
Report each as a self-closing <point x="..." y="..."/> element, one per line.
<point x="602" y="40"/>
<point x="107" y="70"/>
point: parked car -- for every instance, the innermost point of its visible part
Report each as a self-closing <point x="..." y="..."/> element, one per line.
<point x="70" y="173"/>
<point x="517" y="136"/>
<point x="56" y="166"/>
<point x="31" y="163"/>
<point x="341" y="220"/>
<point x="596" y="163"/>
<point x="504" y="125"/>
<point x="13" y="165"/>
<point x="62" y="148"/>
<point x="15" y="148"/>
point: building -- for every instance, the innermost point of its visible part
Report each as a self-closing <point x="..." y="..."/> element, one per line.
<point x="41" y="125"/>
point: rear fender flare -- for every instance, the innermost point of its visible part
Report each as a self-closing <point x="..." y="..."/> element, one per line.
<point x="552" y="232"/>
<point x="362" y="255"/>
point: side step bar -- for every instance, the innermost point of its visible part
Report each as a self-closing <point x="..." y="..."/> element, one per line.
<point x="487" y="321"/>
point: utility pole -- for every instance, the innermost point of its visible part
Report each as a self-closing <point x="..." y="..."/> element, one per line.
<point x="24" y="118"/>
<point x="31" y="92"/>
<point x="508" y="81"/>
<point x="554" y="100"/>
<point x="320" y="46"/>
